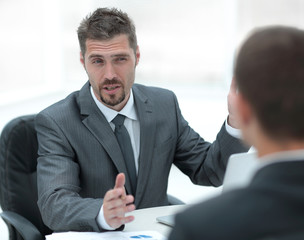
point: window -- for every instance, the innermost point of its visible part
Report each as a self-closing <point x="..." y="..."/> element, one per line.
<point x="183" y="43"/>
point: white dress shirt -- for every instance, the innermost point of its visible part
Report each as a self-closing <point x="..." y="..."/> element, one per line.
<point x="133" y="127"/>
<point x="131" y="121"/>
<point x="234" y="132"/>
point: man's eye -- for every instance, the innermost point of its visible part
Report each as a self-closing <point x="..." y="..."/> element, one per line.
<point x="121" y="59"/>
<point x="97" y="61"/>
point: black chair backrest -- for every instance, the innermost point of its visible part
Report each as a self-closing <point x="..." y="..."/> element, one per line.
<point x="18" y="172"/>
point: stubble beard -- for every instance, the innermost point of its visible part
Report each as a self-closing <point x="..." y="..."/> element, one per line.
<point x="112" y="101"/>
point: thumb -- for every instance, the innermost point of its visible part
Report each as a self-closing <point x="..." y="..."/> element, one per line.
<point x="120" y="180"/>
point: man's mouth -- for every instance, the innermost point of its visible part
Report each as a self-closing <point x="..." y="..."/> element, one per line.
<point x="111" y="89"/>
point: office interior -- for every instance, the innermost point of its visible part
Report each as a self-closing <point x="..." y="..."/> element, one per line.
<point x="186" y="46"/>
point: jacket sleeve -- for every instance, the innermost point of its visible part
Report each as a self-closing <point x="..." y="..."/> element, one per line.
<point x="204" y="162"/>
<point x="61" y="207"/>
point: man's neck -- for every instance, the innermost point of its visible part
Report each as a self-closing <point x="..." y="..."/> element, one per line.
<point x="270" y="147"/>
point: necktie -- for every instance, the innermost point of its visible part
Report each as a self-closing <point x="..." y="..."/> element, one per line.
<point x="124" y="141"/>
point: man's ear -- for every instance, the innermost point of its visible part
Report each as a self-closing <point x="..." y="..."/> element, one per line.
<point x="244" y="110"/>
<point x="137" y="55"/>
<point x="82" y="59"/>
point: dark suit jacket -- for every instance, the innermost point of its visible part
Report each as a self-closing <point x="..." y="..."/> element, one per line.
<point x="79" y="156"/>
<point x="271" y="207"/>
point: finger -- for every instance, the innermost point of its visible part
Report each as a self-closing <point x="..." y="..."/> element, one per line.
<point x="116" y="217"/>
<point x="130" y="208"/>
<point x="129" y="199"/>
<point x="119" y="212"/>
<point x="118" y="202"/>
<point x="113" y="194"/>
<point x="117" y="222"/>
<point x="120" y="180"/>
<point x="120" y="183"/>
<point x="128" y="219"/>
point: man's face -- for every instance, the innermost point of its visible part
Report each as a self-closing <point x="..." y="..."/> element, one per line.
<point x="110" y="65"/>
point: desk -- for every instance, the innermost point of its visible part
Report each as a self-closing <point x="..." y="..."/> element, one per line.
<point x="145" y="219"/>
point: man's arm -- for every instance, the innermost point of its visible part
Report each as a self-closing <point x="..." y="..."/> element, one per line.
<point x="205" y="163"/>
<point x="59" y="187"/>
<point x="61" y="207"/>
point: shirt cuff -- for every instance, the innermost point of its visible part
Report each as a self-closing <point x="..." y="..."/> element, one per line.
<point x="102" y="221"/>
<point x="234" y="132"/>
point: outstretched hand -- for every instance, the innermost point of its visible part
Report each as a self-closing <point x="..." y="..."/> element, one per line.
<point x="116" y="204"/>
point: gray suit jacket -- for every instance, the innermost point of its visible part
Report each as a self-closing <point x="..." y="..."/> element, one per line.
<point x="79" y="156"/>
<point x="270" y="208"/>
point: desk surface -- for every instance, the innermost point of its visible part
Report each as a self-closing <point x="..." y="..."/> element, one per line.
<point x="145" y="219"/>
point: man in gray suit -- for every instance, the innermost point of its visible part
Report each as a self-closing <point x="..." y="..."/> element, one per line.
<point x="80" y="158"/>
<point x="269" y="72"/>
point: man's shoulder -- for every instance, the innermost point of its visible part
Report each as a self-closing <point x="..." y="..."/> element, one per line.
<point x="63" y="106"/>
<point x="151" y="89"/>
<point x="224" y="211"/>
<point x="153" y="92"/>
<point x="213" y="210"/>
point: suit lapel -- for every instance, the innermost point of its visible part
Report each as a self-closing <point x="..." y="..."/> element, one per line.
<point x="97" y="124"/>
<point x="147" y="138"/>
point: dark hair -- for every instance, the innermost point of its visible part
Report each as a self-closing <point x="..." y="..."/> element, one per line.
<point x="269" y="72"/>
<point x="105" y="23"/>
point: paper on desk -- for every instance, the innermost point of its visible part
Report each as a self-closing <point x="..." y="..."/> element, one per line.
<point x="138" y="235"/>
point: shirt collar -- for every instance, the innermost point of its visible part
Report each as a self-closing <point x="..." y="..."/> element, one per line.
<point x="129" y="109"/>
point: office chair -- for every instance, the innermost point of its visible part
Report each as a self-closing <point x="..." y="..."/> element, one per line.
<point x="18" y="187"/>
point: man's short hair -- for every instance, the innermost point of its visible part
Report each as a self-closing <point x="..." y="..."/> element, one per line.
<point x="104" y="24"/>
<point x="269" y="72"/>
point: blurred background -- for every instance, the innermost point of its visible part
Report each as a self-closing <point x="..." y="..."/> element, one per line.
<point x="186" y="46"/>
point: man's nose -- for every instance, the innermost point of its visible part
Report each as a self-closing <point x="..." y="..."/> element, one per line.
<point x="109" y="71"/>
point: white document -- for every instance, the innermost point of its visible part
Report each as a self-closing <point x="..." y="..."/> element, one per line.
<point x="138" y="235"/>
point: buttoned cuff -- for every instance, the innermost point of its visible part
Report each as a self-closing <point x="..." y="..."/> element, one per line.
<point x="234" y="132"/>
<point x="102" y="221"/>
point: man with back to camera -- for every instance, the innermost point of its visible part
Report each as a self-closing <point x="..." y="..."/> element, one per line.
<point x="269" y="74"/>
<point x="81" y="151"/>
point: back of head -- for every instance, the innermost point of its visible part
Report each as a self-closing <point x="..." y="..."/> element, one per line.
<point x="269" y="72"/>
<point x="104" y="24"/>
